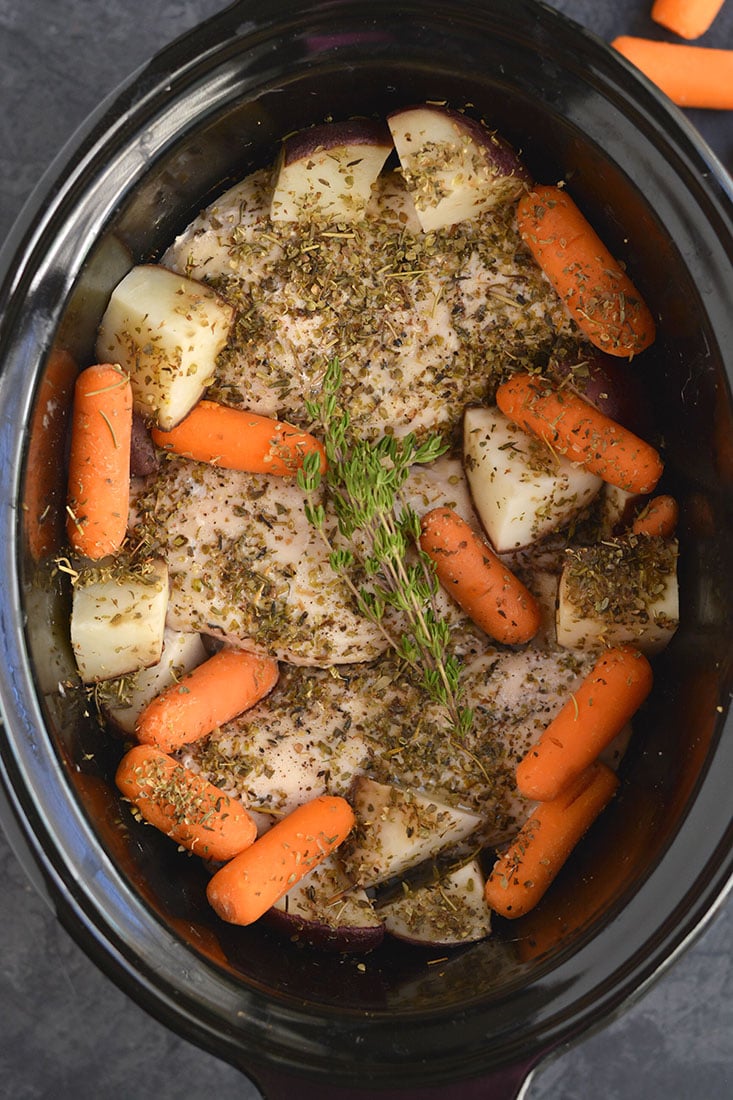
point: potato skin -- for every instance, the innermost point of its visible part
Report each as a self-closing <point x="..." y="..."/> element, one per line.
<point x="143" y="456"/>
<point x="345" y="939"/>
<point x="613" y="387"/>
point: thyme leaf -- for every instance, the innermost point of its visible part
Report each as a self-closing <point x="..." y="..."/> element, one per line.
<point x="364" y="483"/>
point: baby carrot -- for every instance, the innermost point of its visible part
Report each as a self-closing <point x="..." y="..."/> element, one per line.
<point x="523" y="873"/>
<point x="609" y="696"/>
<point x="575" y="428"/>
<point x="658" y="518"/>
<point x="183" y="805"/>
<point x="216" y="691"/>
<point x="687" y="18"/>
<point x="99" y="463"/>
<point x="692" y="76"/>
<point x="253" y="881"/>
<point x="601" y="298"/>
<point x="477" y="579"/>
<point x="239" y="440"/>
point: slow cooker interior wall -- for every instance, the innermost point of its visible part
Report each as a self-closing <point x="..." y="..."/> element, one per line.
<point x="193" y="167"/>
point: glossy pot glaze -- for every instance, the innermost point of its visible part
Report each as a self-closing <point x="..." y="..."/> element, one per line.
<point x="203" y="114"/>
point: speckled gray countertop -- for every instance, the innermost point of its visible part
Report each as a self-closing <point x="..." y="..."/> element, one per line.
<point x="66" y="1031"/>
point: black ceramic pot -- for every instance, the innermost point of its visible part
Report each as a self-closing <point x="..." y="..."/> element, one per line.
<point x="203" y="114"/>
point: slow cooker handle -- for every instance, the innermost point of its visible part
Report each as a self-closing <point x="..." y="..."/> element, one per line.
<point x="506" y="1083"/>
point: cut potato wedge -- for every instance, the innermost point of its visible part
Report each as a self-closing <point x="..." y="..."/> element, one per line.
<point x="181" y="653"/>
<point x="118" y="620"/>
<point x="521" y="491"/>
<point x="327" y="172"/>
<point x="166" y="331"/>
<point x="619" y="591"/>
<point x="454" y="167"/>
<point x="397" y="829"/>
<point x="446" y="913"/>
<point x="326" y="911"/>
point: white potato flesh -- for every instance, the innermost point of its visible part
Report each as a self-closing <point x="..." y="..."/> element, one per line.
<point x="325" y="909"/>
<point x="607" y="610"/>
<point x="454" y="167"/>
<point x="327" y="173"/>
<point x="446" y="913"/>
<point x="118" y="621"/>
<point x="616" y="507"/>
<point x="397" y="829"/>
<point x="521" y="490"/>
<point x="166" y="330"/>
<point x="181" y="653"/>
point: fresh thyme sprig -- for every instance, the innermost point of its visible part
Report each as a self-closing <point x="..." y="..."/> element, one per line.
<point x="364" y="482"/>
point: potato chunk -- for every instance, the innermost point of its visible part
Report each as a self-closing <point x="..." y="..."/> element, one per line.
<point x="520" y="490"/>
<point x="118" y="620"/>
<point x="397" y="829"/>
<point x="446" y="913"/>
<point x="619" y="591"/>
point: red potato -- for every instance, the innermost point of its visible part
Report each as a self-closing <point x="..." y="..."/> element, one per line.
<point x="143" y="456"/>
<point x="446" y="913"/>
<point x="612" y="386"/>
<point x="327" y="172"/>
<point x="454" y="167"/>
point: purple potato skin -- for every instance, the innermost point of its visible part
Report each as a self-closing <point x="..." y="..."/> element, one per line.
<point x="502" y="156"/>
<point x="332" y="135"/>
<point x="614" y="388"/>
<point x="343" y="939"/>
<point x="143" y="456"/>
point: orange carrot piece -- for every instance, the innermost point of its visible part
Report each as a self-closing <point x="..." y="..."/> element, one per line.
<point x="239" y="440"/>
<point x="692" y="76"/>
<point x="253" y="881"/>
<point x="687" y="18"/>
<point x="607" y="699"/>
<point x="183" y="805"/>
<point x="659" y="518"/>
<point x="216" y="691"/>
<point x="478" y="580"/>
<point x="599" y="295"/>
<point x="524" y="872"/>
<point x="99" y="463"/>
<point x="575" y="428"/>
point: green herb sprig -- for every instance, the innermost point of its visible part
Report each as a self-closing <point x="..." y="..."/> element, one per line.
<point x="364" y="483"/>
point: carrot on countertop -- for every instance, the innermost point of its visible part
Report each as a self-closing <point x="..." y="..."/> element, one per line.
<point x="478" y="580"/>
<point x="524" y="872"/>
<point x="574" y="428"/>
<point x="253" y="881"/>
<point x="184" y="805"/>
<point x="98" y="498"/>
<point x="594" y="287"/>
<point x="216" y="691"/>
<point x="687" y="18"/>
<point x="692" y="76"/>
<point x="658" y="518"/>
<point x="607" y="699"/>
<point x="239" y="440"/>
